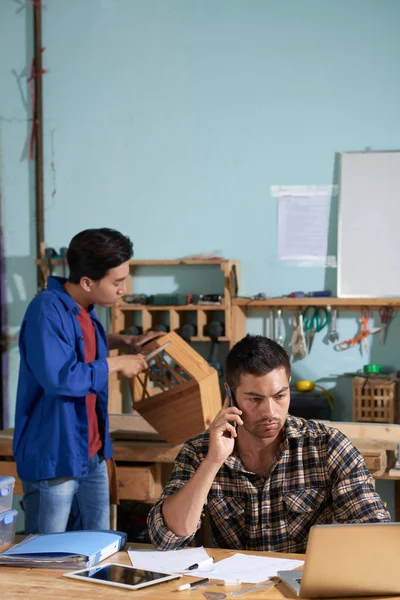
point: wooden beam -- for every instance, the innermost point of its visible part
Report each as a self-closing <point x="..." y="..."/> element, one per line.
<point x="37" y="116"/>
<point x="298" y="303"/>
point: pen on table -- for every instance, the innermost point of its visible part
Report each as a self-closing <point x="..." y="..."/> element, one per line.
<point x="202" y="563"/>
<point x="188" y="586"/>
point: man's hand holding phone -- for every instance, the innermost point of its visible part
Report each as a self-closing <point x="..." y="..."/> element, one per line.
<point x="223" y="431"/>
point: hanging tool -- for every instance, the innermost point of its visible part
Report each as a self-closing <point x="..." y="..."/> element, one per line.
<point x="334" y="335"/>
<point x="279" y="339"/>
<point x="386" y="315"/>
<point x="322" y="294"/>
<point x="362" y="336"/>
<point x="298" y="341"/>
<point x="315" y="319"/>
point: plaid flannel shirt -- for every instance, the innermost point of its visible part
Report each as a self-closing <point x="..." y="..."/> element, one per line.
<point x="317" y="477"/>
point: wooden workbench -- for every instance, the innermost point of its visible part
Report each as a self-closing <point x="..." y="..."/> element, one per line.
<point x="50" y="583"/>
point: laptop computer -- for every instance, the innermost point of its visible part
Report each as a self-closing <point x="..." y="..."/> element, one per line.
<point x="358" y="559"/>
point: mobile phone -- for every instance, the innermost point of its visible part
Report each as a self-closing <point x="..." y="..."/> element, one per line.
<point x="232" y="403"/>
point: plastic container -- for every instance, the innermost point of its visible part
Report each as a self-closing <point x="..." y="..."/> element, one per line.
<point x="6" y="492"/>
<point x="372" y="368"/>
<point x="8" y="522"/>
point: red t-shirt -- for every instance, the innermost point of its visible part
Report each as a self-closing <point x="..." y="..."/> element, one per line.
<point x="89" y="341"/>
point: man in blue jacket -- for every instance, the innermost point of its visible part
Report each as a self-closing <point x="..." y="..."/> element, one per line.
<point x="61" y="439"/>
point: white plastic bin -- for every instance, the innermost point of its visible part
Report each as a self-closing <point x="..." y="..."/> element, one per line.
<point x="8" y="522"/>
<point x="6" y="492"/>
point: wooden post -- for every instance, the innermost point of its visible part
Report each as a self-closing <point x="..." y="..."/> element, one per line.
<point x="37" y="116"/>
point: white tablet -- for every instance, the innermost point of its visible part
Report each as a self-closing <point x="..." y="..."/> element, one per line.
<point x="121" y="576"/>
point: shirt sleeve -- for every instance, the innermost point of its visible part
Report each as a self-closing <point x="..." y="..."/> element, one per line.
<point x="186" y="464"/>
<point x="354" y="497"/>
<point x="54" y="362"/>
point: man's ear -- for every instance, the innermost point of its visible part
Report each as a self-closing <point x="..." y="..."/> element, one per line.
<point x="86" y="284"/>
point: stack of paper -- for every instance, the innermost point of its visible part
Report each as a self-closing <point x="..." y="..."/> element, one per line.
<point x="173" y="561"/>
<point x="245" y="567"/>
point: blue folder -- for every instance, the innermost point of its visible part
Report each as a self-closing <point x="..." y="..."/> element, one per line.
<point x="69" y="550"/>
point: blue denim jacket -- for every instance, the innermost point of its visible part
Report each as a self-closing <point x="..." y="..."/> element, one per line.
<point x="51" y="426"/>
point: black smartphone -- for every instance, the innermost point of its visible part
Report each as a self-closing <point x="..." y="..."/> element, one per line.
<point x="232" y="403"/>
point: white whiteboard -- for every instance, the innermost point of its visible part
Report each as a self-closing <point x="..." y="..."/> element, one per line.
<point x="369" y="225"/>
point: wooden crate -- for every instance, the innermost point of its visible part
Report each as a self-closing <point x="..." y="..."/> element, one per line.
<point x="375" y="400"/>
<point x="182" y="398"/>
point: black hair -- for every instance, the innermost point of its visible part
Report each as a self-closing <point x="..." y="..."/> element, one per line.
<point x="93" y="252"/>
<point x="254" y="355"/>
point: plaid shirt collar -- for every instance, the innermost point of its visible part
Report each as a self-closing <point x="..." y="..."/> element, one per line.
<point x="290" y="430"/>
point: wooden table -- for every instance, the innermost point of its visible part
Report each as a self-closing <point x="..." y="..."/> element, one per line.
<point x="49" y="583"/>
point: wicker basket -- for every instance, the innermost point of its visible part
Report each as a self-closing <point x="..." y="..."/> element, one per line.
<point x="375" y="400"/>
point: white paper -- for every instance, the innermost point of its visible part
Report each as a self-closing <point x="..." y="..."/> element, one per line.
<point x="172" y="561"/>
<point x="248" y="568"/>
<point x="303" y="227"/>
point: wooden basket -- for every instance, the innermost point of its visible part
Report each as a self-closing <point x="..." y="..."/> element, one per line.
<point x="375" y="400"/>
<point x="180" y="395"/>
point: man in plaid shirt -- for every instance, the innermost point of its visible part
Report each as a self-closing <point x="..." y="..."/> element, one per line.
<point x="264" y="476"/>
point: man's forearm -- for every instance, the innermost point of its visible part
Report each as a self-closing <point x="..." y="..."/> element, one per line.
<point x="117" y="341"/>
<point x="182" y="511"/>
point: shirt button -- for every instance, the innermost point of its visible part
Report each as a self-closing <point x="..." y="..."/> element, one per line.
<point x="74" y="310"/>
<point x="84" y="465"/>
<point x="81" y="337"/>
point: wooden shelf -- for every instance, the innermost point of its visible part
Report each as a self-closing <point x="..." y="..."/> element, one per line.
<point x="148" y="316"/>
<point x="188" y="307"/>
<point x="203" y="338"/>
<point x="138" y="263"/>
<point x="183" y="261"/>
<point x="293" y="303"/>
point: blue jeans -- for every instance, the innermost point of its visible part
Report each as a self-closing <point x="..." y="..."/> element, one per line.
<point x="67" y="503"/>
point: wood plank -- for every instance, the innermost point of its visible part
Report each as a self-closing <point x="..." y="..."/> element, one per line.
<point x="294" y="303"/>
<point x="139" y="483"/>
<point x="133" y="451"/>
<point x="185" y="307"/>
<point x="132" y="423"/>
<point x="138" y="263"/>
<point x="388" y="435"/>
<point x="374" y="454"/>
<point x="6" y="440"/>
